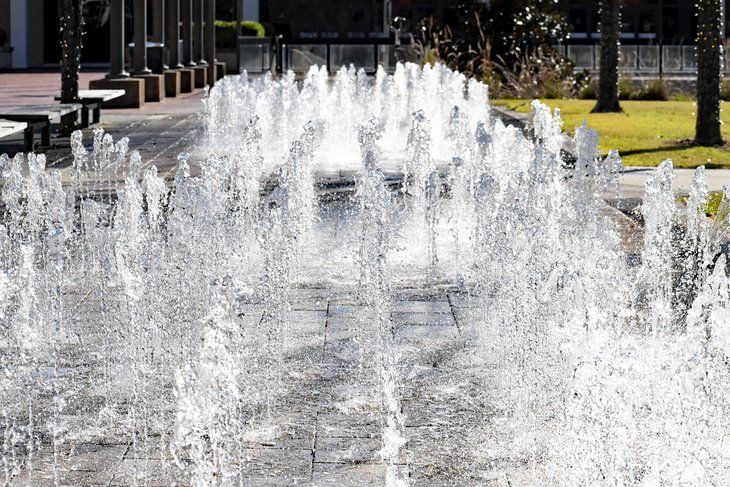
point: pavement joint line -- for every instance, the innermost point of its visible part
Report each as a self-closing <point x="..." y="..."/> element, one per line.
<point x="314" y="446"/>
<point x="119" y="464"/>
<point x="453" y="312"/>
<point x="179" y="142"/>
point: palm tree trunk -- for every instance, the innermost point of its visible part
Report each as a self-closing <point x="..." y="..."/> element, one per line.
<point x="70" y="13"/>
<point x="709" y="67"/>
<point x="608" y="78"/>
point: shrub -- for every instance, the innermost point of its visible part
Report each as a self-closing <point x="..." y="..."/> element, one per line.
<point x="538" y="74"/>
<point x="725" y="91"/>
<point x="588" y="92"/>
<point x="225" y="32"/>
<point x="625" y="88"/>
<point x="554" y="89"/>
<point x="514" y="41"/>
<point x="252" y="28"/>
<point x="655" y="90"/>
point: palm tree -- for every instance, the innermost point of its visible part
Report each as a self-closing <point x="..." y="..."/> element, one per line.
<point x="71" y="17"/>
<point x="608" y="77"/>
<point x="709" y="66"/>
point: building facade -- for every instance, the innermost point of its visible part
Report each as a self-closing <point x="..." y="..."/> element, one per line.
<point x="657" y="36"/>
<point x="32" y="25"/>
<point x="642" y="21"/>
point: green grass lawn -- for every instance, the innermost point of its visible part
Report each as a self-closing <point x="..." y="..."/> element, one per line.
<point x="713" y="203"/>
<point x="646" y="133"/>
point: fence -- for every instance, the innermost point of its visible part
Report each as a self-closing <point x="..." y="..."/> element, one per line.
<point x="280" y="54"/>
<point x="254" y="54"/>
<point x="668" y="59"/>
<point x="257" y="55"/>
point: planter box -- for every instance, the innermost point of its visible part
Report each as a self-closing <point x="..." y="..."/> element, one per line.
<point x="228" y="56"/>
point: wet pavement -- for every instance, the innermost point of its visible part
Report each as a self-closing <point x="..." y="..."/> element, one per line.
<point x="326" y="427"/>
<point x="327" y="424"/>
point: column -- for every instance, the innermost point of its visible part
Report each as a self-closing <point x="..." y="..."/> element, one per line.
<point x="238" y="8"/>
<point x="19" y="32"/>
<point x="173" y="33"/>
<point x="186" y="11"/>
<point x="210" y="39"/>
<point x="116" y="40"/>
<point x="198" y="53"/>
<point x="158" y="33"/>
<point x="239" y="18"/>
<point x="139" y="61"/>
<point x="158" y="21"/>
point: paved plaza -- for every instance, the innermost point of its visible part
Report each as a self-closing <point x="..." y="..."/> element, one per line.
<point x="328" y="422"/>
<point x="159" y="131"/>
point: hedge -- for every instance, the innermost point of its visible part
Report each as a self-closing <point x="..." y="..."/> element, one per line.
<point x="225" y="32"/>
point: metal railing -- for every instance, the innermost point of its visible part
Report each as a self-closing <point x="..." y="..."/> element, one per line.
<point x="255" y="54"/>
<point x="280" y="54"/>
<point x="299" y="54"/>
<point x="649" y="59"/>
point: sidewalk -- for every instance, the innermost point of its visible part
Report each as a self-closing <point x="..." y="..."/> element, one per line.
<point x="159" y="131"/>
<point x="634" y="177"/>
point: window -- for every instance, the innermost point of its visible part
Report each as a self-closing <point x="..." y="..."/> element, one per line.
<point x="578" y="20"/>
<point x="669" y="22"/>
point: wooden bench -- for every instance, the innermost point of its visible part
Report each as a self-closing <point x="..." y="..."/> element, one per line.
<point x="8" y="127"/>
<point x="39" y="116"/>
<point x="92" y="100"/>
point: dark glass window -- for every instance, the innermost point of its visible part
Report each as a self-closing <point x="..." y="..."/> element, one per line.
<point x="647" y="23"/>
<point x="578" y="19"/>
<point x="669" y="22"/>
<point x="629" y="19"/>
<point x="595" y="20"/>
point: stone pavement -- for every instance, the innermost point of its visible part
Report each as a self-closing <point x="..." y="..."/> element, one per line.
<point x="159" y="131"/>
<point x="327" y="425"/>
<point x="328" y="422"/>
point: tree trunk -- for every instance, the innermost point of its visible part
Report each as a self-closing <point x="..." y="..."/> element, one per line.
<point x="608" y="77"/>
<point x="709" y="67"/>
<point x="70" y="14"/>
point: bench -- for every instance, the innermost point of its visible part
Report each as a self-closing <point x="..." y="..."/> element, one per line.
<point x="92" y="100"/>
<point x="8" y="127"/>
<point x="39" y="116"/>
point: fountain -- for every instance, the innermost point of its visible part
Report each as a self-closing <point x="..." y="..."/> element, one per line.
<point x="368" y="280"/>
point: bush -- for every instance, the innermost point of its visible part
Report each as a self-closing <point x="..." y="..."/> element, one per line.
<point x="514" y="41"/>
<point x="725" y="91"/>
<point x="225" y="32"/>
<point x="656" y="90"/>
<point x="554" y="90"/>
<point x="588" y="92"/>
<point x="537" y="74"/>
<point x="625" y="88"/>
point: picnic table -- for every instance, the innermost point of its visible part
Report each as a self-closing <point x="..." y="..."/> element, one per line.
<point x="39" y="116"/>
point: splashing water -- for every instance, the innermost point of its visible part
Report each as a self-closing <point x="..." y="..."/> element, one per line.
<point x="170" y="317"/>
